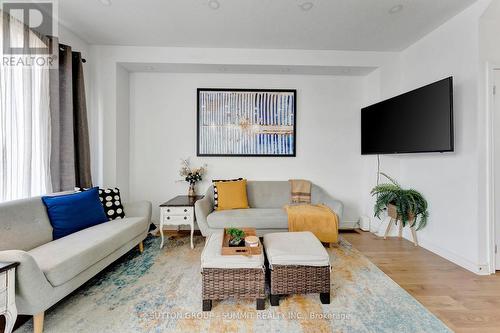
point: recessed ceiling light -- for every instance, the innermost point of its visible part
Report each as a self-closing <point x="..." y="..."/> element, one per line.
<point x="105" y="2"/>
<point x="396" y="9"/>
<point x="306" y="6"/>
<point x="214" y="4"/>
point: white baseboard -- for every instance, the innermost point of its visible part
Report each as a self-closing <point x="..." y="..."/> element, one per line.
<point x="450" y="256"/>
<point x="349" y="225"/>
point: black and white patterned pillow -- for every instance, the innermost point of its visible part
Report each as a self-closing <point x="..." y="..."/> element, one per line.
<point x="112" y="203"/>
<point x="216" y="194"/>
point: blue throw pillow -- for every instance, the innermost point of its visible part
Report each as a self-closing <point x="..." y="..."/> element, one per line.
<point x="70" y="213"/>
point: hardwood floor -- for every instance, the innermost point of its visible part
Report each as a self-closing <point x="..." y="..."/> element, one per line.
<point x="463" y="300"/>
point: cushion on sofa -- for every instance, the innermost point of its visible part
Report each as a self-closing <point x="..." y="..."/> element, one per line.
<point x="259" y="218"/>
<point x="63" y="259"/>
<point x="268" y="194"/>
<point x="69" y="213"/>
<point x="112" y="203"/>
<point x="230" y="194"/>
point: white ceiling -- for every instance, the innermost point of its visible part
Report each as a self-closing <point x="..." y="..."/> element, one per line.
<point x="364" y="25"/>
<point x="249" y="69"/>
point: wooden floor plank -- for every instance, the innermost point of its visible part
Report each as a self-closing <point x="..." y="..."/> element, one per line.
<point x="463" y="300"/>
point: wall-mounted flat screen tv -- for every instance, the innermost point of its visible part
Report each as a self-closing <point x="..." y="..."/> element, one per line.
<point x="419" y="121"/>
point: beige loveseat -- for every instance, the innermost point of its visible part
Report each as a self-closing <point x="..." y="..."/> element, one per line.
<point x="266" y="214"/>
<point x="50" y="269"/>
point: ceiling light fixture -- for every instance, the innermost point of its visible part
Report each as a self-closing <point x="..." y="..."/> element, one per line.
<point x="306" y="6"/>
<point x="105" y="2"/>
<point x="214" y="4"/>
<point x="396" y="9"/>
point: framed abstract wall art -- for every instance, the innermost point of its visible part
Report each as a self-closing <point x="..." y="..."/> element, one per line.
<point x="246" y="122"/>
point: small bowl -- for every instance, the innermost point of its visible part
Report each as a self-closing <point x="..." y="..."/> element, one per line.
<point x="252" y="241"/>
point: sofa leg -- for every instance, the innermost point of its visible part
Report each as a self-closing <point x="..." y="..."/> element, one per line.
<point x="141" y="247"/>
<point x="38" y="322"/>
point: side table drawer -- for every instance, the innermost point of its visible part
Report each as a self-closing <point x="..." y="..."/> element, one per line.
<point x="177" y="219"/>
<point x="3" y="280"/>
<point x="177" y="211"/>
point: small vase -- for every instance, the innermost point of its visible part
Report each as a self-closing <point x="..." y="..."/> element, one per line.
<point x="191" y="191"/>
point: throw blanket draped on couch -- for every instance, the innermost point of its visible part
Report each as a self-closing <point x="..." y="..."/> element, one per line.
<point x="301" y="191"/>
<point x="318" y="219"/>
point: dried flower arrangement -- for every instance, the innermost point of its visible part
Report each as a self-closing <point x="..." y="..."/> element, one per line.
<point x="191" y="175"/>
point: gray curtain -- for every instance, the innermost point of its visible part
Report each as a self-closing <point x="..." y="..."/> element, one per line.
<point x="80" y="125"/>
<point x="70" y="147"/>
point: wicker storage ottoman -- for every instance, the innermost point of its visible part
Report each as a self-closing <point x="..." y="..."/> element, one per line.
<point x="230" y="276"/>
<point x="299" y="264"/>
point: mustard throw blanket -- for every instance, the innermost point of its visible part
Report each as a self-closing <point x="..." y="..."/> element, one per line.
<point x="318" y="219"/>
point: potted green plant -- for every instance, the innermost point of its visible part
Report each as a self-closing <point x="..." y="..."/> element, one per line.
<point x="237" y="236"/>
<point x="405" y="205"/>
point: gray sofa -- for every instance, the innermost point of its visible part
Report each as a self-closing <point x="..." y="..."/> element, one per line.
<point x="266" y="214"/>
<point x="50" y="269"/>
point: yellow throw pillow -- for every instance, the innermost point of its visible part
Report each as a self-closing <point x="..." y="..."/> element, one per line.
<point x="230" y="194"/>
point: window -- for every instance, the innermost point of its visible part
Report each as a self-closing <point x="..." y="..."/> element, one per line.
<point x="24" y="124"/>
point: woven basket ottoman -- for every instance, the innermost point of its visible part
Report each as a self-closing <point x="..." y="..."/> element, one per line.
<point x="230" y="276"/>
<point x="298" y="264"/>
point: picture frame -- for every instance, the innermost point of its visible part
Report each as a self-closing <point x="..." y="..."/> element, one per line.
<point x="246" y="122"/>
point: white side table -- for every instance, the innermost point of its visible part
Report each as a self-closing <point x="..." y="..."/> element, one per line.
<point x="178" y="211"/>
<point x="8" y="294"/>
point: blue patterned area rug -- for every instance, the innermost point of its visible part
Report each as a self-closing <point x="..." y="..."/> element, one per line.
<point x="160" y="291"/>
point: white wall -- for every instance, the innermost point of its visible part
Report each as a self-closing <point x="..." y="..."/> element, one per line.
<point x="68" y="37"/>
<point x="107" y="113"/>
<point x="123" y="132"/>
<point x="489" y="30"/>
<point x="489" y="49"/>
<point x="163" y="130"/>
<point x="453" y="183"/>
